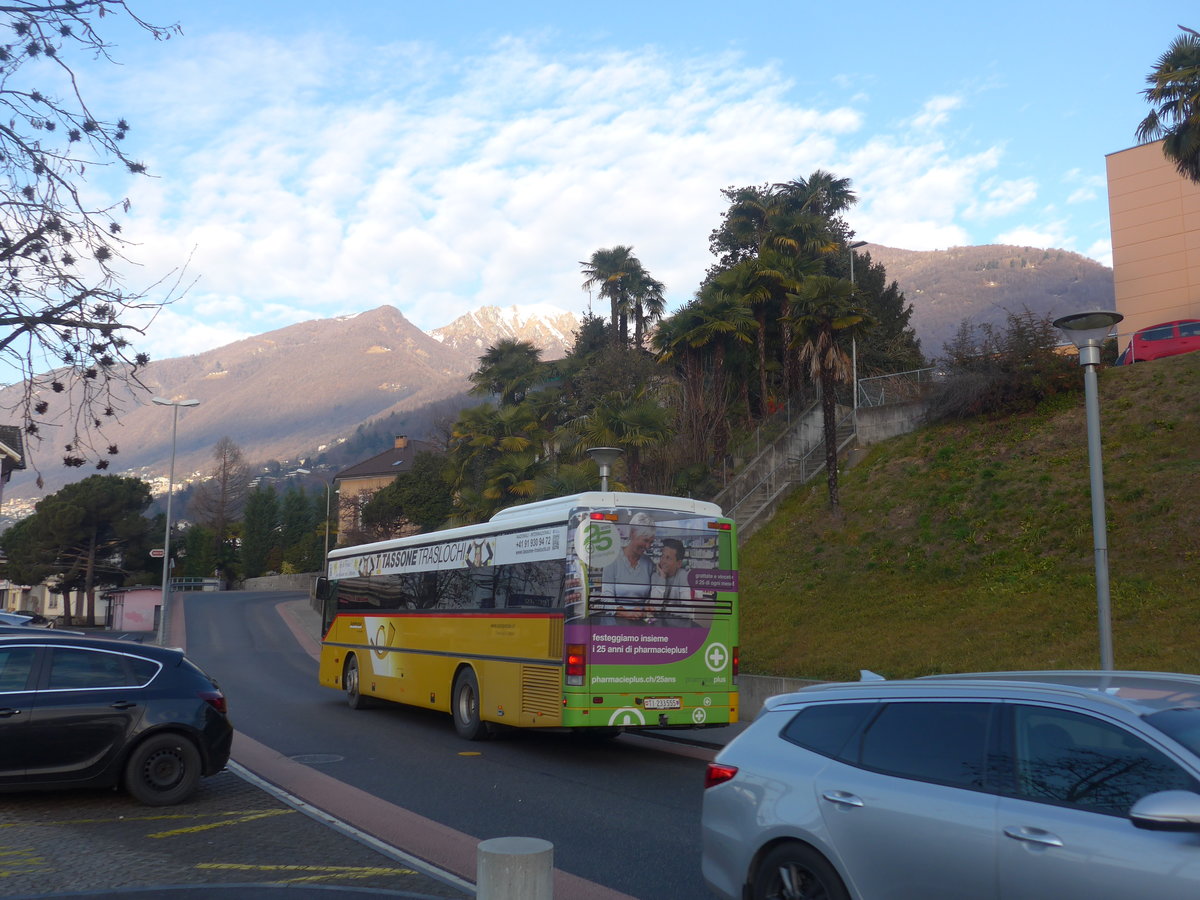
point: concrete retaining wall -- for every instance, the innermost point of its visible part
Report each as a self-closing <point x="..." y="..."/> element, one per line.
<point x="754" y="689"/>
<point x="878" y="423"/>
<point x="304" y="581"/>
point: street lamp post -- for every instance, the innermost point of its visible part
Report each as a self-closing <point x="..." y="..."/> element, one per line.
<point x="1087" y="331"/>
<point x="328" y="495"/>
<point x="854" y="340"/>
<point x="166" y="576"/>
<point x="328" y="490"/>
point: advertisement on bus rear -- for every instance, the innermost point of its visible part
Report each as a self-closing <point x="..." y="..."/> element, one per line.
<point x="652" y="596"/>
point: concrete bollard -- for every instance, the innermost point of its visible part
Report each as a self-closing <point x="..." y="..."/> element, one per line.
<point x="515" y="868"/>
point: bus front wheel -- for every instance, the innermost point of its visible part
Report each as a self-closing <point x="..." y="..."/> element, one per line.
<point x="353" y="685"/>
<point x="465" y="707"/>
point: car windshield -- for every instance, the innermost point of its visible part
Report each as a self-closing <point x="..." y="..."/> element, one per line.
<point x="1181" y="724"/>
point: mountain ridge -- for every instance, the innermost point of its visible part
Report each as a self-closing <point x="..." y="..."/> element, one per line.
<point x="305" y="387"/>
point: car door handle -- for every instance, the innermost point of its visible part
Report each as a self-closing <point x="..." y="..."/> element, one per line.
<point x="123" y="704"/>
<point x="1033" y="836"/>
<point x="8" y="711"/>
<point x="842" y="798"/>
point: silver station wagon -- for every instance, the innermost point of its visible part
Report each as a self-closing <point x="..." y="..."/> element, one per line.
<point x="1023" y="785"/>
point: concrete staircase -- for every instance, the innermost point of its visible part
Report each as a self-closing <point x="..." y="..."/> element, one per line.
<point x="794" y="458"/>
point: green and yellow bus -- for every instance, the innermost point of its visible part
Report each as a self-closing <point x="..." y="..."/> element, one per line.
<point x="601" y="611"/>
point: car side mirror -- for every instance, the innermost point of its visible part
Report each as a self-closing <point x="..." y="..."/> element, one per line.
<point x="1167" y="811"/>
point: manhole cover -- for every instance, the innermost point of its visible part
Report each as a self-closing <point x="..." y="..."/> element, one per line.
<point x="315" y="759"/>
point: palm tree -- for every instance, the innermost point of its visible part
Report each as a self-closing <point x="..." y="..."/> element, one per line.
<point x="646" y="303"/>
<point x="480" y="439"/>
<point x="608" y="268"/>
<point x="629" y="288"/>
<point x="1175" y="88"/>
<point x="508" y="369"/>
<point x="513" y="478"/>
<point x="792" y="229"/>
<point x="632" y="421"/>
<point x="761" y="288"/>
<point x="697" y="339"/>
<point x="825" y="310"/>
<point x="821" y="193"/>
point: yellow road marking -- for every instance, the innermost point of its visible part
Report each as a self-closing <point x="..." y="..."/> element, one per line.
<point x="239" y="818"/>
<point x="164" y="817"/>
<point x="469" y="753"/>
<point x="319" y="873"/>
<point x="18" y="862"/>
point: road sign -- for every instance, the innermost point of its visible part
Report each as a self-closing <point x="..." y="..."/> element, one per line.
<point x="157" y="553"/>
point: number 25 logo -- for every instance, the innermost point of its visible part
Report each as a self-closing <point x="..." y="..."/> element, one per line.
<point x="596" y="543"/>
<point x="599" y="539"/>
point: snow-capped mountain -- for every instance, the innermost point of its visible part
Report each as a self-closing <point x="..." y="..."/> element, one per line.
<point x="545" y="326"/>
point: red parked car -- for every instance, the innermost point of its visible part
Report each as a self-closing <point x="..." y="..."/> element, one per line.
<point x="1166" y="339"/>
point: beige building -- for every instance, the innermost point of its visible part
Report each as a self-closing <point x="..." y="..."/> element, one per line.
<point x="362" y="480"/>
<point x="1154" y="213"/>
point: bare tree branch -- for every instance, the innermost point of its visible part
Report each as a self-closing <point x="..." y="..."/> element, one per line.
<point x="66" y="320"/>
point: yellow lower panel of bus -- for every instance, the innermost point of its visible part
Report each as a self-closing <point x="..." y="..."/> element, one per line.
<point x="408" y="659"/>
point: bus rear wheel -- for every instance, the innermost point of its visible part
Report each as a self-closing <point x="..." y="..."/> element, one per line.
<point x="465" y="707"/>
<point x="353" y="685"/>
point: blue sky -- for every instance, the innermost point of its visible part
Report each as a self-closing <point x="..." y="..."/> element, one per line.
<point x="318" y="159"/>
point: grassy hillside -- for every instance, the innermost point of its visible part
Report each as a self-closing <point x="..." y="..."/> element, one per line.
<point x="968" y="546"/>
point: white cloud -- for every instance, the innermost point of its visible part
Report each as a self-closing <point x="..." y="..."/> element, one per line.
<point x="1004" y="197"/>
<point x="1101" y="251"/>
<point x="1047" y="235"/>
<point x="935" y="112"/>
<point x="310" y="187"/>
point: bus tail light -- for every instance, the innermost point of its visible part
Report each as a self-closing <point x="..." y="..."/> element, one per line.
<point x="736" y="664"/>
<point x="718" y="774"/>
<point x="575" y="664"/>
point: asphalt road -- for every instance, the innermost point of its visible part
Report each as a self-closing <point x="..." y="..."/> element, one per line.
<point x="232" y="839"/>
<point x="388" y="799"/>
<point x="623" y="814"/>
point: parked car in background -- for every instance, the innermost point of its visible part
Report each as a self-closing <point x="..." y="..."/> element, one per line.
<point x="1048" y="785"/>
<point x="37" y="620"/>
<point x="1165" y="339"/>
<point x="80" y="711"/>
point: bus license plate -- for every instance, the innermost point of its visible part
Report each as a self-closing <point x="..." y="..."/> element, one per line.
<point x="662" y="703"/>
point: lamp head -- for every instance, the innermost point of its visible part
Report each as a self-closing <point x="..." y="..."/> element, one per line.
<point x="604" y="457"/>
<point x="161" y="402"/>
<point x="1090" y="328"/>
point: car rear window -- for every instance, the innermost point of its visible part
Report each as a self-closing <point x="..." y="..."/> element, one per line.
<point x="1189" y="329"/>
<point x="143" y="670"/>
<point x="76" y="667"/>
<point x="71" y="667"/>
<point x="944" y="742"/>
<point x="826" y="727"/>
<point x="15" y="665"/>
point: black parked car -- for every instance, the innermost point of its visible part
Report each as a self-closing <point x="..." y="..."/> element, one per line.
<point x="36" y="619"/>
<point x="94" y="712"/>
